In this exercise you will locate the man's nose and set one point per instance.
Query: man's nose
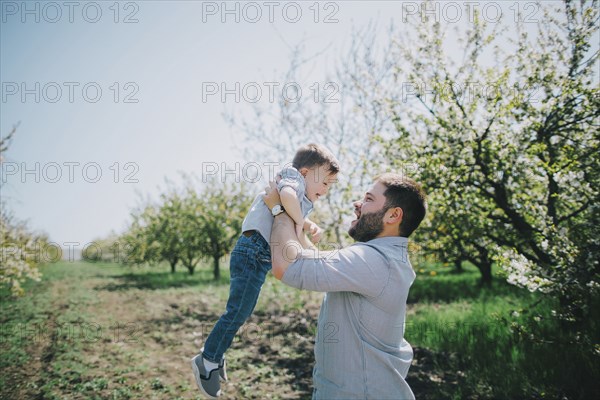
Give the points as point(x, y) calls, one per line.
point(357, 204)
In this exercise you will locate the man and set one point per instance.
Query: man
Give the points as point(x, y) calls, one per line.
point(360, 351)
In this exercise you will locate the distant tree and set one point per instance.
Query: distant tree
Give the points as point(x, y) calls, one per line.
point(21, 254)
point(5, 142)
point(154, 234)
point(106, 249)
point(219, 211)
point(165, 230)
point(134, 243)
point(21, 251)
point(202, 220)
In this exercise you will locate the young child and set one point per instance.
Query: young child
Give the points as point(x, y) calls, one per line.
point(313, 169)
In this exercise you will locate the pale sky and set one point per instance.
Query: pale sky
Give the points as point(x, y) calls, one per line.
point(96, 94)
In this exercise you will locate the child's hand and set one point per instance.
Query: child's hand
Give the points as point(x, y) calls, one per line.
point(315, 232)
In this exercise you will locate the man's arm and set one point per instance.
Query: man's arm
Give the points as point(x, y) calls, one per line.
point(285, 247)
point(331, 271)
point(345, 270)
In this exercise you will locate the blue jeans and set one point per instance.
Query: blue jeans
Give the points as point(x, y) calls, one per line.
point(250, 262)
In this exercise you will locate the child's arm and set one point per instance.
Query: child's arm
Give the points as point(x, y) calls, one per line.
point(291, 204)
point(289, 201)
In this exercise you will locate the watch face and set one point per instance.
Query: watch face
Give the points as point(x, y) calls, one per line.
point(276, 210)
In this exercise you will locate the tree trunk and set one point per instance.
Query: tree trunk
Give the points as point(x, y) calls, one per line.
point(486, 274)
point(458, 266)
point(191, 269)
point(216, 271)
point(484, 264)
point(173, 263)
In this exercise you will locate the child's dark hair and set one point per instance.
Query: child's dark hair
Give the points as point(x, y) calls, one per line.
point(315, 155)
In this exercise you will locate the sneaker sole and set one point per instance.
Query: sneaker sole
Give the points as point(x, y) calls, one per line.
point(223, 377)
point(199, 380)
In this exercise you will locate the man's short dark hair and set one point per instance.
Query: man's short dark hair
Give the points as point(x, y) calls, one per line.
point(407, 194)
point(315, 155)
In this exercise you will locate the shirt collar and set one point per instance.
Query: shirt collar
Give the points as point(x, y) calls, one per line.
point(389, 240)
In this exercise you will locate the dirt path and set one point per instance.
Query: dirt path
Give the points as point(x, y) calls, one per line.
point(150, 335)
point(39, 339)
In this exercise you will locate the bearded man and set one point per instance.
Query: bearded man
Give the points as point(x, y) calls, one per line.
point(360, 350)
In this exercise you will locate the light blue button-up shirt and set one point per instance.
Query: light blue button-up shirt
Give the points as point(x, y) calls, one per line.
point(360, 351)
point(260, 218)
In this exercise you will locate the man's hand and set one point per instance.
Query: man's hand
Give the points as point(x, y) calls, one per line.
point(314, 231)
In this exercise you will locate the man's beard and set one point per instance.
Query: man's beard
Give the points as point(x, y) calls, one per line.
point(369, 225)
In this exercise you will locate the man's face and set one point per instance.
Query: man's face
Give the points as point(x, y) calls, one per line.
point(369, 212)
point(318, 180)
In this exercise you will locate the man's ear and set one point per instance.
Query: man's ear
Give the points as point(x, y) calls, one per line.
point(304, 171)
point(395, 215)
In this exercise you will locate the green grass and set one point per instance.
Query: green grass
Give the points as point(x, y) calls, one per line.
point(33, 322)
point(472, 335)
point(503, 338)
point(158, 277)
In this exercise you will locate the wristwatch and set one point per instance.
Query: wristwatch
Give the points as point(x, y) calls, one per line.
point(277, 209)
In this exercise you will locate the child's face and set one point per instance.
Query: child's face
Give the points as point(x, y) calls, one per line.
point(318, 180)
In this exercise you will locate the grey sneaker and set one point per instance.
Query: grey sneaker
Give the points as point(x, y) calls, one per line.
point(208, 382)
point(222, 367)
